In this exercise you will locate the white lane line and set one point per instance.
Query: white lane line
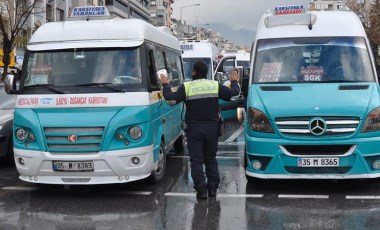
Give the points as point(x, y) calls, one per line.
point(183, 194)
point(362, 197)
point(231, 143)
point(235, 134)
point(142, 193)
point(240, 195)
point(17, 188)
point(191, 194)
point(217, 157)
point(287, 196)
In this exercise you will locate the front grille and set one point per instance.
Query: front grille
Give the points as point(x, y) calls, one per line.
point(335, 126)
point(276, 88)
point(87, 139)
point(353, 87)
point(317, 170)
point(318, 150)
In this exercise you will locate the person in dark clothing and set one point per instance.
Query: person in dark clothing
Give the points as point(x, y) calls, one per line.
point(202, 120)
point(244, 88)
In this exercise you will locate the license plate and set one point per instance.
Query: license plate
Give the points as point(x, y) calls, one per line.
point(73, 166)
point(318, 162)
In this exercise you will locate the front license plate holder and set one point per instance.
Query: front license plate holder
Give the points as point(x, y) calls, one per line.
point(318, 162)
point(73, 166)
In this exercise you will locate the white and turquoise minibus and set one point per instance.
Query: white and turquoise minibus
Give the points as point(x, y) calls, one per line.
point(89, 108)
point(314, 98)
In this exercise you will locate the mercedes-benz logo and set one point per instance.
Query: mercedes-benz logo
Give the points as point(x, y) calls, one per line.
point(317, 126)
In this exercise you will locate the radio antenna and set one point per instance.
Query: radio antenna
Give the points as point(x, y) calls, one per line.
point(310, 24)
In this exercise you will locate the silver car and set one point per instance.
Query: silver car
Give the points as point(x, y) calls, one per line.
point(7, 103)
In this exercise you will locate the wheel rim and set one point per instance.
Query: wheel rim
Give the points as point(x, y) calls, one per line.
point(161, 162)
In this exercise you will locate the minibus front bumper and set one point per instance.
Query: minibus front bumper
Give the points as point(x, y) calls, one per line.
point(269, 159)
point(108, 166)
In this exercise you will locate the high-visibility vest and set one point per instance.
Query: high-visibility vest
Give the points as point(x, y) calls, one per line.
point(201, 88)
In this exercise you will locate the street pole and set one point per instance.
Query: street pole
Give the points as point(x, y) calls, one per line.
point(181, 15)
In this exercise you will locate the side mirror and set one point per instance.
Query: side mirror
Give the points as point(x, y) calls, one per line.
point(10, 84)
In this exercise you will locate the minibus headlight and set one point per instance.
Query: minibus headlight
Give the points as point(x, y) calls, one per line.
point(135, 132)
point(372, 122)
point(259, 122)
point(21, 134)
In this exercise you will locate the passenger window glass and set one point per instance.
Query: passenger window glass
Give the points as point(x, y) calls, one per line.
point(312, 60)
point(175, 82)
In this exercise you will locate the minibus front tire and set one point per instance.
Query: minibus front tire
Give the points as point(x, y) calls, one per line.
point(179, 144)
point(159, 172)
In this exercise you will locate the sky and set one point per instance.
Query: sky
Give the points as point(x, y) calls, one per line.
point(239, 14)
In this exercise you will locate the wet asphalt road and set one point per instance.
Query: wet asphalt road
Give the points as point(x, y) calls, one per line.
point(275, 204)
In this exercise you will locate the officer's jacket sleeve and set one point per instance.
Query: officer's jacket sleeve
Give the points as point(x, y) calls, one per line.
point(177, 96)
point(225, 93)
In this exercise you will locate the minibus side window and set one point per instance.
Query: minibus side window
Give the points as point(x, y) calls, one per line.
point(168, 66)
point(175, 76)
point(159, 60)
point(179, 68)
point(152, 72)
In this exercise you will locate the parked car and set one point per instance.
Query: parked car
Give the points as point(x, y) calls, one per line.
point(7, 103)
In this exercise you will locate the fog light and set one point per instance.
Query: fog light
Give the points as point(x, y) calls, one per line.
point(126, 177)
point(126, 142)
point(21, 161)
point(120, 178)
point(30, 178)
point(31, 137)
point(376, 164)
point(120, 136)
point(135, 160)
point(256, 165)
point(35, 178)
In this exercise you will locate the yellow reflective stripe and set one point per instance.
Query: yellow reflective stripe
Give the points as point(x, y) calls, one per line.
point(201, 89)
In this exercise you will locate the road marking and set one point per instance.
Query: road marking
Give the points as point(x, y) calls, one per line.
point(231, 143)
point(240, 195)
point(191, 194)
point(224, 195)
point(303, 196)
point(17, 188)
point(217, 157)
point(362, 197)
point(142, 193)
point(235, 134)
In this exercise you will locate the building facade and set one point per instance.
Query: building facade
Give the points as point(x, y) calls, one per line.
point(161, 12)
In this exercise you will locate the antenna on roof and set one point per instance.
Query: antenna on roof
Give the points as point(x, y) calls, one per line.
point(310, 26)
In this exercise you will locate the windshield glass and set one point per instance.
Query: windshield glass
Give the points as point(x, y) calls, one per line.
point(7, 100)
point(188, 66)
point(120, 67)
point(312, 60)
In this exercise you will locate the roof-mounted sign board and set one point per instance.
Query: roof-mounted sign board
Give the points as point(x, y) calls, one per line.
point(83, 11)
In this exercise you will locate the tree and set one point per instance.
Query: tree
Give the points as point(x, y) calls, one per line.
point(369, 14)
point(13, 16)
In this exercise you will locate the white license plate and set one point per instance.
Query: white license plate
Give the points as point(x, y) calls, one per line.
point(318, 162)
point(73, 166)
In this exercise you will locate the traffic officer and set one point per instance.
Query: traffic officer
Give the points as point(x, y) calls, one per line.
point(202, 120)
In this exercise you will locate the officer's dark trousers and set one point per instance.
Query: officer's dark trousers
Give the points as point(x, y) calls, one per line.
point(202, 143)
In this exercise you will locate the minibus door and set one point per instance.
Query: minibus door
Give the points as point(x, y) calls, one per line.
point(222, 75)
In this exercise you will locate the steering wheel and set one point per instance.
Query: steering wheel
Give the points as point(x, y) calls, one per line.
point(339, 74)
point(125, 79)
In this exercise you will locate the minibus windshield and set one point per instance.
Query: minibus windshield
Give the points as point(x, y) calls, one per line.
point(84, 66)
point(188, 67)
point(317, 60)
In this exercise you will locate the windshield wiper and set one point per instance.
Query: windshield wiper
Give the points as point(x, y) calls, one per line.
point(46, 86)
point(107, 85)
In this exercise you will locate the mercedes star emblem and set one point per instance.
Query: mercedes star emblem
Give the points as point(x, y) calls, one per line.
point(317, 126)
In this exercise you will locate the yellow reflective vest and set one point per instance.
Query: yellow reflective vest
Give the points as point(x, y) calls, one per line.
point(201, 88)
